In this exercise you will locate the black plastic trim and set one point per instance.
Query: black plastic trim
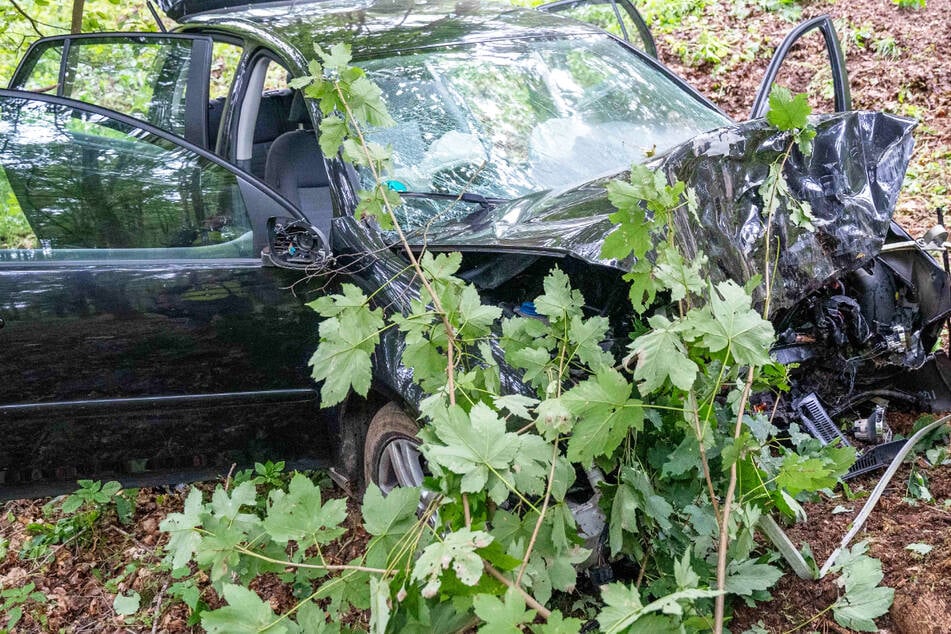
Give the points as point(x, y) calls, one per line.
point(642, 29)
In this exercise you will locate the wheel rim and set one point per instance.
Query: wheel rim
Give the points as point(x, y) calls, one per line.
point(401, 465)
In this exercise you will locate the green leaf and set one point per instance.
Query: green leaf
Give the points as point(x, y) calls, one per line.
point(864, 600)
point(559, 299)
point(635, 493)
point(475, 319)
point(517, 404)
point(802, 473)
point(333, 131)
point(348, 336)
point(729, 322)
point(787, 112)
point(553, 418)
point(921, 549)
point(502, 617)
point(126, 605)
point(558, 624)
point(661, 356)
point(586, 336)
point(457, 549)
point(623, 607)
point(388, 518)
point(379, 605)
point(477, 447)
point(183, 538)
point(245, 613)
point(677, 275)
point(338, 59)
point(748, 577)
point(300, 516)
point(605, 414)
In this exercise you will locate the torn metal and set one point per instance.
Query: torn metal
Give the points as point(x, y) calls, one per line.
point(857, 303)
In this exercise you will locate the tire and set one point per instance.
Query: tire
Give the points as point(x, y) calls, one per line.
point(390, 457)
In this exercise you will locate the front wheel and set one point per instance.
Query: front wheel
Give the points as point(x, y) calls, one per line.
point(391, 455)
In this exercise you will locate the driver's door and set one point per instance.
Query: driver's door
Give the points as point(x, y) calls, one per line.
point(160, 78)
point(619, 17)
point(139, 330)
point(840, 77)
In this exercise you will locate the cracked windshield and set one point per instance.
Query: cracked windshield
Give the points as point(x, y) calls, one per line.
point(507, 118)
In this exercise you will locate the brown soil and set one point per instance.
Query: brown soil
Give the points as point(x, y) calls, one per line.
point(76, 576)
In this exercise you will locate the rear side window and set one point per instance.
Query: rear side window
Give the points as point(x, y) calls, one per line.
point(94, 187)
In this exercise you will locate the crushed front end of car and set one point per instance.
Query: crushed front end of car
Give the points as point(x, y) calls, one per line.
point(857, 304)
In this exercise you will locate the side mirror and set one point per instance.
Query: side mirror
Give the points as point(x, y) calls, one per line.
point(294, 243)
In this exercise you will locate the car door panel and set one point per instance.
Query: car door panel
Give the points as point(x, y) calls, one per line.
point(142, 332)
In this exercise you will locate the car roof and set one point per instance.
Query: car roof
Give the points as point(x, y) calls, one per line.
point(376, 28)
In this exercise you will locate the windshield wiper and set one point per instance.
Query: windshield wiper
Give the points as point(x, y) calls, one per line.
point(466, 197)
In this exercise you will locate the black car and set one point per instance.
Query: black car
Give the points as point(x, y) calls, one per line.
point(157, 327)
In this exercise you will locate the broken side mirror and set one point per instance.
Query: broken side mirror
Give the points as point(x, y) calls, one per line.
point(293, 243)
point(840, 78)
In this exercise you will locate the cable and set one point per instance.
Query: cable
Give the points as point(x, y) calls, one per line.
point(878, 490)
point(794, 558)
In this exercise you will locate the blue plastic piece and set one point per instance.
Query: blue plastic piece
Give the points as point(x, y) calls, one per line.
point(528, 308)
point(396, 186)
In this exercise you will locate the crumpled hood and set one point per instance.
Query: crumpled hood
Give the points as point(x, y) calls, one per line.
point(851, 180)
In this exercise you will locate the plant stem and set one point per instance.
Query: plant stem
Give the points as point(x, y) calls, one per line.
point(703, 456)
point(720, 602)
point(327, 567)
point(529, 599)
point(541, 516)
point(437, 304)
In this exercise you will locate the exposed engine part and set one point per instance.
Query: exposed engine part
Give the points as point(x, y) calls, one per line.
point(873, 429)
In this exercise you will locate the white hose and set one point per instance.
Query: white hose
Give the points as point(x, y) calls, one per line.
point(878, 490)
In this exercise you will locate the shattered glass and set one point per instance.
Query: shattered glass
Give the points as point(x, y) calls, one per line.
point(508, 118)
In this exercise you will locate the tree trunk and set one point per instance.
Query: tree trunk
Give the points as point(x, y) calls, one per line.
point(77, 24)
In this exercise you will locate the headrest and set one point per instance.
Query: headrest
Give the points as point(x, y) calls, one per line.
point(272, 115)
point(299, 114)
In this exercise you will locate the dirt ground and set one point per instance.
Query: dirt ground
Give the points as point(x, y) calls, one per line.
point(898, 60)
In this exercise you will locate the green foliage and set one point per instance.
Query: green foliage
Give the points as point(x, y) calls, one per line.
point(864, 600)
point(78, 516)
point(910, 4)
point(14, 600)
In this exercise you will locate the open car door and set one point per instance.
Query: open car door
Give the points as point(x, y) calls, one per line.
point(840, 78)
point(160, 78)
point(619, 17)
point(140, 331)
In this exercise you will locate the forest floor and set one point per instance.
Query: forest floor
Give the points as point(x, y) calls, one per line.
point(899, 60)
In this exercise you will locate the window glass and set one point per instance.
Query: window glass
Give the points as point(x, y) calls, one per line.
point(94, 187)
point(15, 232)
point(141, 76)
point(602, 15)
point(44, 77)
point(508, 118)
point(145, 79)
point(275, 78)
point(224, 63)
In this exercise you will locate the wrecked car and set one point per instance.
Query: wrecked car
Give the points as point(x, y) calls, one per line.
point(157, 330)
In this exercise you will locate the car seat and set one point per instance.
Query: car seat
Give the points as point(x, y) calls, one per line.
point(295, 168)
